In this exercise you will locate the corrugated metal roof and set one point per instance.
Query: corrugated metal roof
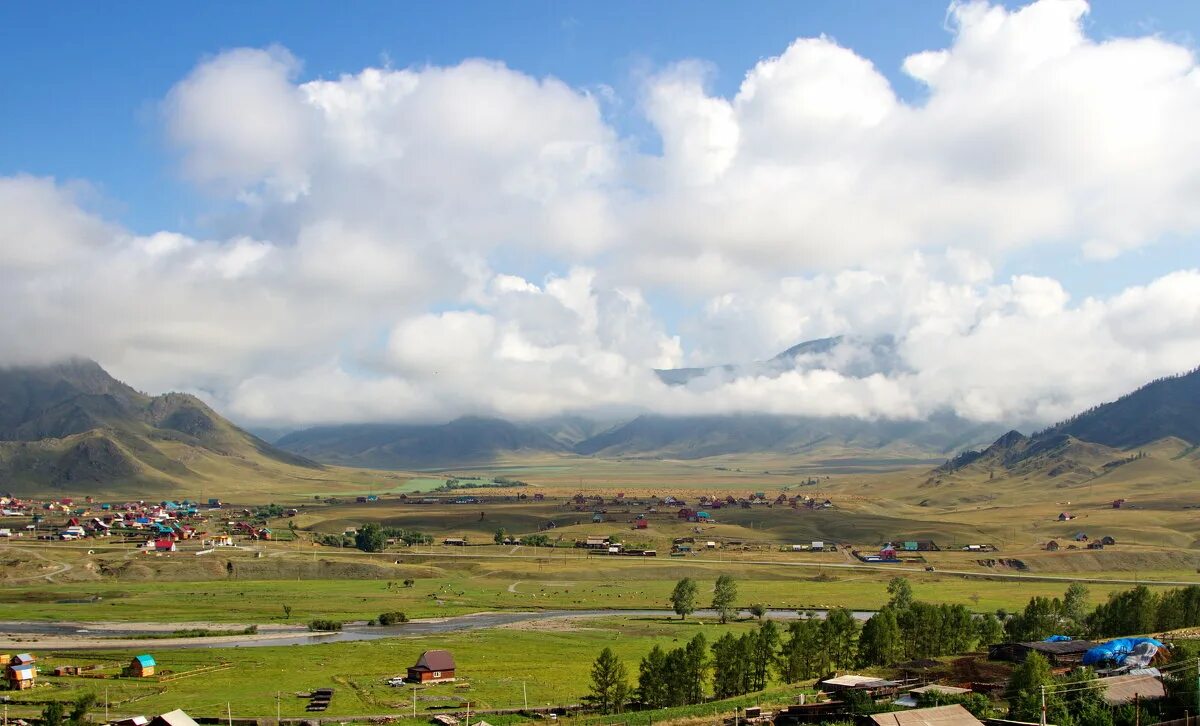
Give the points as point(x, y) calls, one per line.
point(939, 716)
point(174, 718)
point(145, 660)
point(1127, 688)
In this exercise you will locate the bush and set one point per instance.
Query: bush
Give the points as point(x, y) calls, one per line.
point(393, 618)
point(325, 626)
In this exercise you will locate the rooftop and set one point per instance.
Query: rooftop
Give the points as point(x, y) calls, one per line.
point(939, 716)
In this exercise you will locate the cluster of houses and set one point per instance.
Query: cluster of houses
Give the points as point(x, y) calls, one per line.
point(1081, 540)
point(604, 545)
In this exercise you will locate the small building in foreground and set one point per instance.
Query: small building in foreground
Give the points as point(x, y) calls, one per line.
point(1060, 653)
point(21, 677)
point(142, 666)
point(1144, 684)
point(173, 718)
point(434, 666)
point(954, 715)
point(874, 687)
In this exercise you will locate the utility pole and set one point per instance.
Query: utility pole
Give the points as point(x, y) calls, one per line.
point(1043, 721)
point(105, 707)
point(277, 708)
point(414, 701)
point(228, 714)
point(525, 695)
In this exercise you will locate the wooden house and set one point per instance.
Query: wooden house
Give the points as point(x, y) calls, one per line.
point(434, 666)
point(20, 671)
point(142, 666)
point(21, 677)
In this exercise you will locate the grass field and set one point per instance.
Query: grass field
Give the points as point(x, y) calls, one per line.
point(496, 669)
point(175, 590)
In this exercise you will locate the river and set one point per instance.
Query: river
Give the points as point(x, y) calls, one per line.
point(124, 637)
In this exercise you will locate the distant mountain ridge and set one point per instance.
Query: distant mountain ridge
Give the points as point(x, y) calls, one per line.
point(473, 439)
point(1162, 409)
point(72, 424)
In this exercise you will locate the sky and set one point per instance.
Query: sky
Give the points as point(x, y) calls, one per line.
point(308, 213)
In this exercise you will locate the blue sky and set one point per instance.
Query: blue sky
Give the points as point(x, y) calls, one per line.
point(82, 80)
point(82, 90)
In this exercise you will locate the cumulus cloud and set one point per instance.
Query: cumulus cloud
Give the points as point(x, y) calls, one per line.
point(426, 242)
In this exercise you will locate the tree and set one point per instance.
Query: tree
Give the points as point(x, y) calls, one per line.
point(610, 688)
point(989, 629)
point(880, 643)
point(839, 633)
point(1026, 685)
point(652, 682)
point(683, 598)
point(1125, 613)
point(409, 582)
point(370, 538)
point(801, 655)
point(901, 592)
point(1075, 605)
point(52, 714)
point(724, 594)
point(728, 666)
point(763, 649)
point(55, 713)
point(287, 611)
point(1042, 617)
point(498, 537)
point(696, 665)
point(758, 610)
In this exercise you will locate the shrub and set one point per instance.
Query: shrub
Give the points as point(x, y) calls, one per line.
point(325, 626)
point(393, 618)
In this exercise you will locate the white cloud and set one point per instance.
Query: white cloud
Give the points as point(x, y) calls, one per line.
point(370, 268)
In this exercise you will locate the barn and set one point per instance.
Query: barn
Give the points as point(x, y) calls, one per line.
point(434, 666)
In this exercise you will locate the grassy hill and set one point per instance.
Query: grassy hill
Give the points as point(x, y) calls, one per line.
point(71, 426)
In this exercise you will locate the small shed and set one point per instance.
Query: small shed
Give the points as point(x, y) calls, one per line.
point(434, 666)
point(142, 666)
point(1059, 653)
point(21, 677)
point(874, 687)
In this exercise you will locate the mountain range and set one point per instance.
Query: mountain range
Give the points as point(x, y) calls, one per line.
point(1099, 438)
point(71, 425)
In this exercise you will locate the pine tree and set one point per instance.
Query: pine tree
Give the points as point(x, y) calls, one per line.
point(839, 634)
point(610, 688)
point(880, 643)
point(802, 651)
point(652, 686)
point(765, 647)
point(696, 669)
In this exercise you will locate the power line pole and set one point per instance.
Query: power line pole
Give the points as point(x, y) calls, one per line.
point(105, 706)
point(1043, 721)
point(228, 714)
point(277, 708)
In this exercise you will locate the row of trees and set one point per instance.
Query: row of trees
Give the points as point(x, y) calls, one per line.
point(683, 597)
point(1137, 610)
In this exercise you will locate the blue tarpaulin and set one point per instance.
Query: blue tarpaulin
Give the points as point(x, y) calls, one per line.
point(1114, 651)
point(1057, 639)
